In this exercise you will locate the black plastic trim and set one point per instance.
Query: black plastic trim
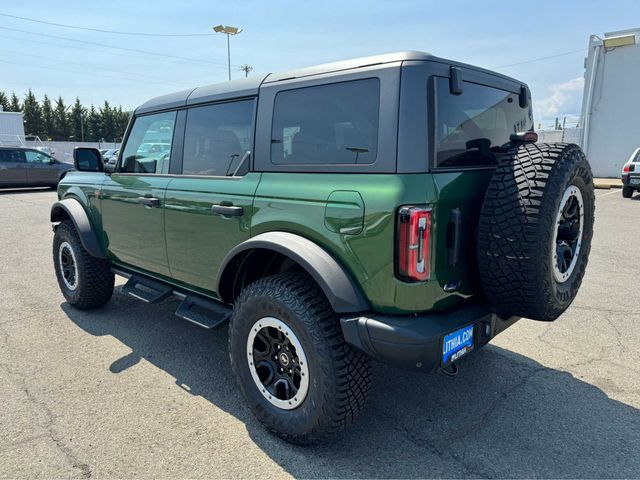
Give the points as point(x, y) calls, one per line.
point(414, 342)
point(343, 293)
point(74, 209)
point(455, 81)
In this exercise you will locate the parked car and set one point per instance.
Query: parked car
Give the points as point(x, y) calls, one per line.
point(631, 175)
point(110, 164)
point(29, 167)
point(331, 215)
point(149, 149)
point(110, 155)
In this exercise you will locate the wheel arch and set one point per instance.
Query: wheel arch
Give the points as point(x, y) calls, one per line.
point(273, 250)
point(72, 209)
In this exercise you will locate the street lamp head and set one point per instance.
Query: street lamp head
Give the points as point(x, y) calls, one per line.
point(228, 29)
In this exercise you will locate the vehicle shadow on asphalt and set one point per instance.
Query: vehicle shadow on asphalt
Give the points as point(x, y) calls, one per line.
point(504, 415)
point(17, 191)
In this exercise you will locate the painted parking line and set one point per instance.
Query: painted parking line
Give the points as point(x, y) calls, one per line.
point(618, 191)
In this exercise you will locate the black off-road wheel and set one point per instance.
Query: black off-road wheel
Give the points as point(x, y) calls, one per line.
point(627, 192)
point(299, 377)
point(85, 281)
point(535, 230)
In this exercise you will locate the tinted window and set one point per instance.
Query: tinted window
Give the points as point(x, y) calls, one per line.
point(328, 124)
point(148, 147)
point(217, 139)
point(472, 127)
point(7, 156)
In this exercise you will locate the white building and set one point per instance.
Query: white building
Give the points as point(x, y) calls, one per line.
point(11, 124)
point(611, 101)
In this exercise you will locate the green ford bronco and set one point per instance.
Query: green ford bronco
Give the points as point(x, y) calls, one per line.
point(393, 207)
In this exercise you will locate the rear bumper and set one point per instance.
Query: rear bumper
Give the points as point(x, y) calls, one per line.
point(626, 180)
point(416, 342)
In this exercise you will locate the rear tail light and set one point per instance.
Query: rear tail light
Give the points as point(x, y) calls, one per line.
point(414, 244)
point(626, 168)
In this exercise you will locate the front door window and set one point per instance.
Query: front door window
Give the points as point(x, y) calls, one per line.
point(148, 148)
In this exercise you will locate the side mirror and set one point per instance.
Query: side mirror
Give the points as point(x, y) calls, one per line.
point(109, 167)
point(87, 159)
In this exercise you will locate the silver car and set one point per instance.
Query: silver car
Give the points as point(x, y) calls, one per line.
point(28, 167)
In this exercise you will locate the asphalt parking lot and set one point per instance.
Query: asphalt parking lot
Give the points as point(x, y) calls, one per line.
point(130, 390)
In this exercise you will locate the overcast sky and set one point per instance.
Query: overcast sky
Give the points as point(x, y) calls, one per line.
point(278, 35)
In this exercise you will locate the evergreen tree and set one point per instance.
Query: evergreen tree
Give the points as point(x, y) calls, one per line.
point(33, 124)
point(51, 120)
point(93, 126)
point(14, 104)
point(108, 123)
point(47, 118)
point(77, 120)
point(121, 122)
point(61, 121)
point(4, 101)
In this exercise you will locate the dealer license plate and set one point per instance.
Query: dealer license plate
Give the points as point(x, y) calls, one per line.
point(634, 181)
point(457, 344)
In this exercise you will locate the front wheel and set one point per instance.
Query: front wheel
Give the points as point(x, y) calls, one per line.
point(300, 378)
point(85, 281)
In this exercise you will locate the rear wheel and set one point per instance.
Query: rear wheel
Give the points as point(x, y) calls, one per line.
point(627, 192)
point(535, 230)
point(300, 378)
point(85, 281)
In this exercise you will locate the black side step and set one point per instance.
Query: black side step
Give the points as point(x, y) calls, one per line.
point(204, 313)
point(147, 290)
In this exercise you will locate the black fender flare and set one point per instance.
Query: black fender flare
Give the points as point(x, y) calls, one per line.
point(341, 290)
point(78, 215)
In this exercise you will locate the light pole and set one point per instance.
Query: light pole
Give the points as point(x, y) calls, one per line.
point(227, 30)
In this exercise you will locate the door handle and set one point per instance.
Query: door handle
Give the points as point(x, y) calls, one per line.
point(228, 210)
point(149, 201)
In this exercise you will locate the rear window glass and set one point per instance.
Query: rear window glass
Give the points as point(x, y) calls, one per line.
point(472, 127)
point(8, 156)
point(327, 125)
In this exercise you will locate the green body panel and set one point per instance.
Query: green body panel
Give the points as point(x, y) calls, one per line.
point(134, 233)
point(352, 216)
point(464, 191)
point(299, 203)
point(85, 187)
point(197, 239)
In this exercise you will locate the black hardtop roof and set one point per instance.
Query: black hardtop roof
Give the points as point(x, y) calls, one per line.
point(247, 87)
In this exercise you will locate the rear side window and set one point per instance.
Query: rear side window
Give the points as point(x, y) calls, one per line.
point(10, 156)
point(148, 147)
point(335, 124)
point(472, 127)
point(217, 139)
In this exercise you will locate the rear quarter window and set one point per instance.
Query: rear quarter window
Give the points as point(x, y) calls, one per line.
point(471, 128)
point(333, 124)
point(10, 156)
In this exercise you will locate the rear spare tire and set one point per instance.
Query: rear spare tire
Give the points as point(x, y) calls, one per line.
point(535, 230)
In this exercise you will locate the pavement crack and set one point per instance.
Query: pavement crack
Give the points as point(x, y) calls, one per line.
point(423, 443)
point(20, 381)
